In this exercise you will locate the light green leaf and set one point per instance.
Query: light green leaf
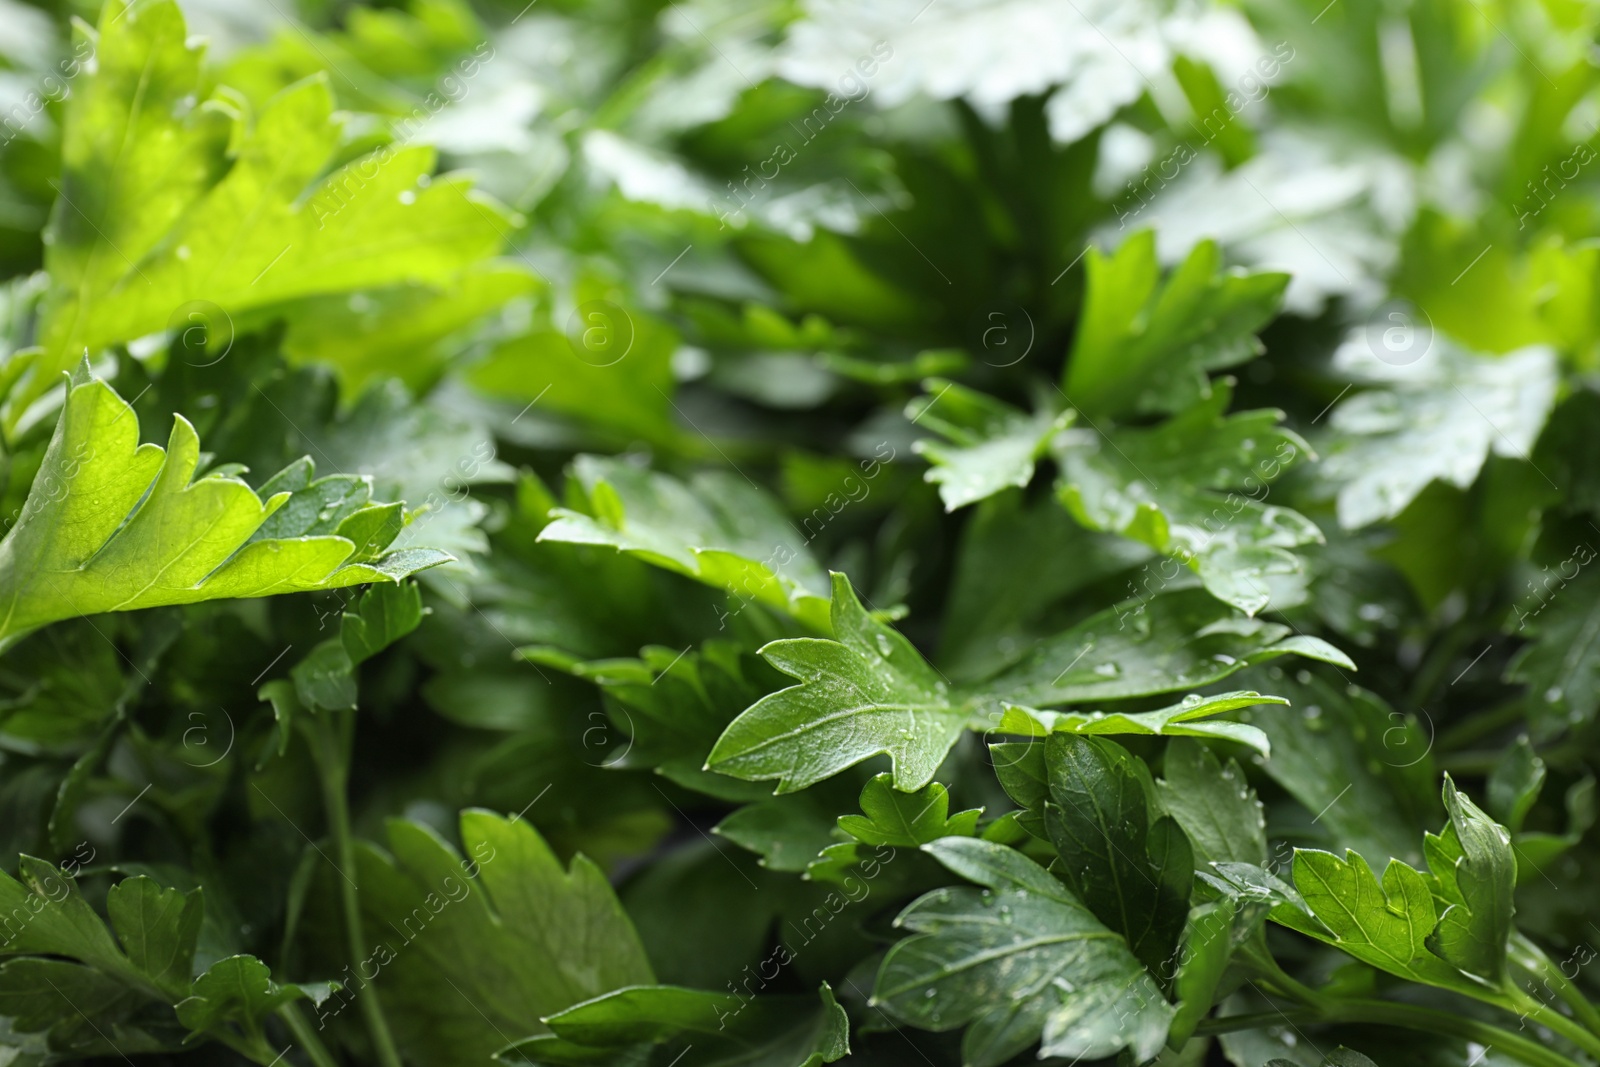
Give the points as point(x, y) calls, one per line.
point(716, 528)
point(1477, 874)
point(405, 331)
point(469, 949)
point(113, 525)
point(907, 819)
point(991, 446)
point(1184, 719)
point(726, 1030)
point(153, 217)
point(1214, 804)
point(1386, 926)
point(1193, 487)
point(1141, 348)
point(867, 693)
point(1437, 418)
point(1018, 963)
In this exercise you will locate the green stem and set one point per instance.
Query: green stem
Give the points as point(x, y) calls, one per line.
point(332, 752)
point(307, 1037)
point(1407, 1016)
point(1531, 958)
point(1554, 1021)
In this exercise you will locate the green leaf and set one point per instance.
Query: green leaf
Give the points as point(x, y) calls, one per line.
point(1018, 963)
point(1183, 719)
point(1214, 804)
point(47, 915)
point(1171, 642)
point(1477, 875)
point(991, 446)
point(1143, 347)
point(1438, 418)
point(717, 529)
point(1387, 926)
point(726, 1029)
point(867, 693)
point(405, 331)
point(1207, 947)
point(466, 950)
point(154, 217)
point(669, 706)
point(1193, 488)
point(1131, 866)
point(1515, 783)
point(113, 525)
point(157, 928)
point(1018, 558)
point(907, 819)
point(79, 1007)
point(1362, 771)
point(788, 832)
point(240, 991)
point(1561, 666)
point(326, 677)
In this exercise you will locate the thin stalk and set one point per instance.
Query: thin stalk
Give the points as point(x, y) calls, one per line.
point(332, 756)
point(1407, 1016)
point(1554, 1021)
point(301, 1029)
point(1532, 959)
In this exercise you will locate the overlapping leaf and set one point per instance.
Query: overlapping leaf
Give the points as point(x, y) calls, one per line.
point(990, 445)
point(113, 525)
point(1020, 962)
point(1143, 349)
point(868, 692)
point(717, 529)
point(153, 215)
point(1194, 487)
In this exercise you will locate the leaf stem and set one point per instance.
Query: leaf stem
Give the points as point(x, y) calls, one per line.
point(1553, 1020)
point(332, 730)
point(1532, 959)
point(301, 1029)
point(1407, 1016)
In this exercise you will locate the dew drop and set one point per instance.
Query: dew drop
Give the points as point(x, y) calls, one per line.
point(884, 647)
point(1108, 670)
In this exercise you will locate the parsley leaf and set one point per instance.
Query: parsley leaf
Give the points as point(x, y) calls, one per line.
point(1193, 487)
point(1141, 349)
point(865, 693)
point(113, 525)
point(1017, 963)
point(991, 446)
